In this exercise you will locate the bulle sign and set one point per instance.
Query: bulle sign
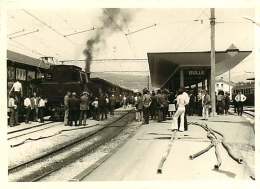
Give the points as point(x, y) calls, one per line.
point(196, 72)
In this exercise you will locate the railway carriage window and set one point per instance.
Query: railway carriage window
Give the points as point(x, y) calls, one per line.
point(31, 75)
point(10, 73)
point(39, 75)
point(20, 74)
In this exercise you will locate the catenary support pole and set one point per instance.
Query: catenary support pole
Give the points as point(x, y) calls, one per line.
point(212, 60)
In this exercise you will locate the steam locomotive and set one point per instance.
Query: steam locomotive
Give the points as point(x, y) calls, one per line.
point(62, 78)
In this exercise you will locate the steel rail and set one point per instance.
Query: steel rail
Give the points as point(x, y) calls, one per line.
point(87, 171)
point(18, 130)
point(16, 136)
point(68, 146)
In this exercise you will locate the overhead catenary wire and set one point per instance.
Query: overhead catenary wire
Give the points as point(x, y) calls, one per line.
point(14, 33)
point(24, 34)
point(79, 32)
point(141, 29)
point(47, 25)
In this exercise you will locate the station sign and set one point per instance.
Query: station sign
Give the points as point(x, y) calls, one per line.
point(196, 72)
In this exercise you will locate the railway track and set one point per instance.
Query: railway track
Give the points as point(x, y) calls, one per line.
point(250, 113)
point(28, 128)
point(45, 164)
point(34, 129)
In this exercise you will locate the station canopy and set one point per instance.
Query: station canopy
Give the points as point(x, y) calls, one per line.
point(165, 65)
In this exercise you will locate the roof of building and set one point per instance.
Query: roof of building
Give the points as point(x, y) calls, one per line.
point(23, 59)
point(162, 65)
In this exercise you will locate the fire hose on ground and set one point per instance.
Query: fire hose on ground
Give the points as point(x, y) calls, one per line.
point(211, 135)
point(167, 152)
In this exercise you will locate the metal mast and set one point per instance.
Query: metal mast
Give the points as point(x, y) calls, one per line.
point(212, 60)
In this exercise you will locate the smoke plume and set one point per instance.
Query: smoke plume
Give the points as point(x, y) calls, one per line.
point(112, 20)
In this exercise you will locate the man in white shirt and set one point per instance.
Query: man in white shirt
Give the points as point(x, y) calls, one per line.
point(240, 99)
point(12, 109)
point(41, 108)
point(27, 105)
point(17, 88)
point(34, 107)
point(186, 101)
point(179, 114)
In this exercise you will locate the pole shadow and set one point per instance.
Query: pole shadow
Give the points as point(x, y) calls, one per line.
point(227, 173)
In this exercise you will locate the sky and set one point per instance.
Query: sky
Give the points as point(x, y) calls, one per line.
point(167, 30)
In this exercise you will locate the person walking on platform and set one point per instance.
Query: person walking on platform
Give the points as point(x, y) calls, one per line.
point(165, 104)
point(240, 99)
point(146, 104)
point(34, 107)
point(12, 109)
point(187, 100)
point(66, 108)
point(153, 106)
point(17, 90)
point(41, 108)
point(74, 105)
point(181, 102)
point(124, 102)
point(112, 101)
point(27, 106)
point(102, 106)
point(199, 103)
point(205, 105)
point(95, 105)
point(234, 102)
point(192, 104)
point(84, 108)
point(172, 108)
point(227, 103)
point(139, 107)
point(220, 102)
point(160, 105)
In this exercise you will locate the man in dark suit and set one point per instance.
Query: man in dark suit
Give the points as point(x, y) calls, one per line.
point(84, 108)
point(74, 105)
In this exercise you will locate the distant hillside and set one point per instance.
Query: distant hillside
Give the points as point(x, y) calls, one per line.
point(125, 80)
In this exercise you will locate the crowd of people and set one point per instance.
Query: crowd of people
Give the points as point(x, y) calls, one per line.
point(154, 105)
point(79, 109)
point(33, 108)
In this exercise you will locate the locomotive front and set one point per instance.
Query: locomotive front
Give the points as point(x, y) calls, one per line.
point(60, 79)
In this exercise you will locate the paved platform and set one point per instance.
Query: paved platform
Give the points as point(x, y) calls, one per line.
point(139, 158)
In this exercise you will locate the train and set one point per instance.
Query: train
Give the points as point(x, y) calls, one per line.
point(63, 78)
point(248, 89)
point(53, 81)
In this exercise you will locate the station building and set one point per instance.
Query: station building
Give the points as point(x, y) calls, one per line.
point(173, 70)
